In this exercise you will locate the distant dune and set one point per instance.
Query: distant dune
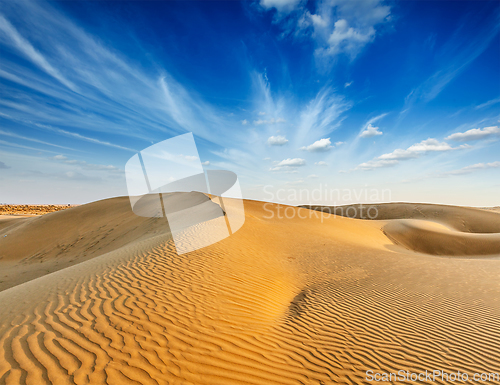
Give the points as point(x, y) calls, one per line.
point(431, 229)
point(97, 295)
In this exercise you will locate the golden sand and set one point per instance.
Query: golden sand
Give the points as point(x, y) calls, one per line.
point(309, 300)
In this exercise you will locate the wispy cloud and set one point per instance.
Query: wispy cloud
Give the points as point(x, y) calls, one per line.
point(488, 103)
point(115, 97)
point(472, 168)
point(88, 139)
point(30, 52)
point(414, 151)
point(11, 144)
point(321, 116)
point(13, 135)
point(85, 165)
point(460, 51)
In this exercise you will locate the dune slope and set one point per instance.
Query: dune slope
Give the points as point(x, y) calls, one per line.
point(302, 300)
point(34, 246)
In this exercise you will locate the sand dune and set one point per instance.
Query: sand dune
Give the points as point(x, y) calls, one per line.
point(433, 238)
point(302, 300)
point(34, 246)
point(431, 229)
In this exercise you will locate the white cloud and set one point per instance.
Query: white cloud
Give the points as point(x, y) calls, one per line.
point(262, 113)
point(377, 163)
point(475, 134)
point(289, 165)
point(339, 143)
point(336, 26)
point(277, 140)
point(432, 145)
point(270, 121)
point(345, 38)
point(206, 163)
point(348, 84)
point(59, 157)
point(189, 158)
point(321, 163)
point(313, 176)
point(414, 151)
point(370, 131)
point(244, 122)
point(295, 162)
point(280, 5)
point(319, 145)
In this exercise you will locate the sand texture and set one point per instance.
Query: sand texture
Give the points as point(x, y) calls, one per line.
point(297, 300)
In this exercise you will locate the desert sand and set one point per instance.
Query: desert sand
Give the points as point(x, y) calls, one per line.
point(97, 295)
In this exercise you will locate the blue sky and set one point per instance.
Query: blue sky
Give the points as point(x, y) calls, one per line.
point(359, 97)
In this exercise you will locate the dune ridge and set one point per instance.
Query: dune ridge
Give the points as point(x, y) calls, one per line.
point(282, 301)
